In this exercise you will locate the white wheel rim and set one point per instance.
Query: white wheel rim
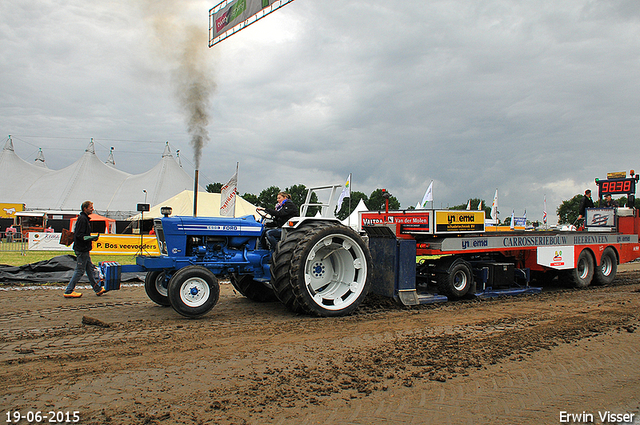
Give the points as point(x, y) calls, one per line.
point(194, 292)
point(583, 269)
point(160, 285)
point(459, 280)
point(335, 272)
point(607, 266)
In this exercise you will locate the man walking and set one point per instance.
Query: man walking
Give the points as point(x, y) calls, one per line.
point(82, 240)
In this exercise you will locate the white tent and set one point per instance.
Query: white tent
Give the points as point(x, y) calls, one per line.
point(114, 193)
point(17, 174)
point(353, 220)
point(208, 206)
point(163, 181)
point(86, 179)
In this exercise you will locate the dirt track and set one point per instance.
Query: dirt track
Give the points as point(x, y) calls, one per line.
point(513, 360)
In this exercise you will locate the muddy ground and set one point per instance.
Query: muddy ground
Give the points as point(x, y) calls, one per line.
point(120, 359)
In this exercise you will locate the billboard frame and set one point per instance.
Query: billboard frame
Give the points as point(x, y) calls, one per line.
point(242, 25)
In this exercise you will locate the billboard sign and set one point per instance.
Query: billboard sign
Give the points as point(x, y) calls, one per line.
point(451, 221)
point(231, 16)
point(9, 210)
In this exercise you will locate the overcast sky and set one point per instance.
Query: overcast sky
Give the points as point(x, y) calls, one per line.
point(533, 98)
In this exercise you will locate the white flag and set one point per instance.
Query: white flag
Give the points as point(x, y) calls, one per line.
point(494, 207)
point(513, 219)
point(544, 212)
point(480, 206)
point(469, 205)
point(346, 191)
point(228, 196)
point(428, 195)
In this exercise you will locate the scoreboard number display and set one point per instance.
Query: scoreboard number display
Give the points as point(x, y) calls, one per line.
point(617, 187)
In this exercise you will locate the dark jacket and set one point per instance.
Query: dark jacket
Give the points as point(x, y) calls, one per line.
point(281, 216)
point(585, 203)
point(83, 228)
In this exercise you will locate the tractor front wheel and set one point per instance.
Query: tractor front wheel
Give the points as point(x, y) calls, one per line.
point(193, 291)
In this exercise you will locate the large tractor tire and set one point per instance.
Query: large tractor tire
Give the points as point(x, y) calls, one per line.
point(454, 279)
point(606, 271)
point(582, 275)
point(252, 289)
point(155, 285)
point(322, 269)
point(193, 291)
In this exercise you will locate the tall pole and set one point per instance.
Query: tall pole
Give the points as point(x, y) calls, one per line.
point(195, 195)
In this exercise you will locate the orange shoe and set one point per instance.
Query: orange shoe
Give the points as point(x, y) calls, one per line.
point(74, 294)
point(100, 292)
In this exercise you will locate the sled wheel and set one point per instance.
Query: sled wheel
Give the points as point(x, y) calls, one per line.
point(252, 289)
point(606, 272)
point(581, 276)
point(329, 273)
point(155, 285)
point(456, 281)
point(193, 291)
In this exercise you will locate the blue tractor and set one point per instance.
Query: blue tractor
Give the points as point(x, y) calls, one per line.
point(319, 267)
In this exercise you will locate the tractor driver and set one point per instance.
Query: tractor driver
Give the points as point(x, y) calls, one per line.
point(284, 210)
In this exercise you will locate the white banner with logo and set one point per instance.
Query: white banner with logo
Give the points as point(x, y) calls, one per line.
point(46, 242)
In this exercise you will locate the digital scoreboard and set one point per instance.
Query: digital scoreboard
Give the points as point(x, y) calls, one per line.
point(618, 187)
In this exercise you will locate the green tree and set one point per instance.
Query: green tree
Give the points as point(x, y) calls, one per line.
point(251, 198)
point(345, 211)
point(298, 194)
point(568, 210)
point(377, 201)
point(214, 187)
point(267, 198)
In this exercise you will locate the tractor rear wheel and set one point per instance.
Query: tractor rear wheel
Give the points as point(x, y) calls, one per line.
point(252, 289)
point(328, 270)
point(193, 291)
point(155, 285)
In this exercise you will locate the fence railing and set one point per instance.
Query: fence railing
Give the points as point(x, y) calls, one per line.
point(13, 242)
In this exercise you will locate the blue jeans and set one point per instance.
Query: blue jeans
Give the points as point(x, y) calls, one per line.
point(84, 265)
point(274, 235)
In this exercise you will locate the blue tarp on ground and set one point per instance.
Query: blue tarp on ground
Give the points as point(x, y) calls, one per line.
point(56, 270)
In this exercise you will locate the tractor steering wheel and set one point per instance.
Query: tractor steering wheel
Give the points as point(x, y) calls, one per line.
point(265, 215)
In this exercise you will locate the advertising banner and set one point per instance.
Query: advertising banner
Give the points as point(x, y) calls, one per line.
point(405, 222)
point(125, 245)
point(600, 218)
point(459, 221)
point(106, 244)
point(234, 13)
point(46, 242)
point(9, 210)
point(556, 257)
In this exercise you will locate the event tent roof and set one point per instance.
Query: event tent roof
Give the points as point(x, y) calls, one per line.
point(114, 193)
point(86, 179)
point(15, 172)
